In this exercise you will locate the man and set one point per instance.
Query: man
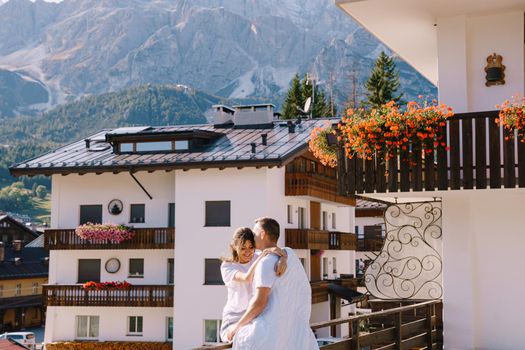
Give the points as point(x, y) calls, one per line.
point(279, 312)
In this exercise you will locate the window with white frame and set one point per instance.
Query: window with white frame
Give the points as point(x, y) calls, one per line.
point(334, 223)
point(325, 268)
point(135, 325)
point(302, 218)
point(35, 288)
point(18, 290)
point(212, 330)
point(136, 268)
point(325, 220)
point(290, 214)
point(169, 328)
point(334, 265)
point(87, 327)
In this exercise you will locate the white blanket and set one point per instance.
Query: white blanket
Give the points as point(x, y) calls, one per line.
point(285, 322)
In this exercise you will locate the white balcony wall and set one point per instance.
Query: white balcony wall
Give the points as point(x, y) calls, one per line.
point(71, 191)
point(63, 265)
point(113, 323)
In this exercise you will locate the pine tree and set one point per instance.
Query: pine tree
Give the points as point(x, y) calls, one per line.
point(383, 82)
point(296, 97)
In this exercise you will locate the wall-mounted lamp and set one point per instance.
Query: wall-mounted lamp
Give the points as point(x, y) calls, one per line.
point(495, 70)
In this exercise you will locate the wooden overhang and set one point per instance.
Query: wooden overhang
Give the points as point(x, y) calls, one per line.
point(228, 148)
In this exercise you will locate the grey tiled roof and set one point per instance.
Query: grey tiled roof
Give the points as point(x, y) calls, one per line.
point(32, 263)
point(233, 148)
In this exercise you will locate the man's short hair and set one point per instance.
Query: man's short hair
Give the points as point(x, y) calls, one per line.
point(270, 226)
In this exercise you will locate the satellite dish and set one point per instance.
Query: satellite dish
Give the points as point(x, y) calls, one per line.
point(307, 105)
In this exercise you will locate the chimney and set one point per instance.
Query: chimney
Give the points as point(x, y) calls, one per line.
point(264, 139)
point(2, 252)
point(253, 147)
point(223, 115)
point(17, 245)
point(87, 141)
point(257, 116)
point(291, 127)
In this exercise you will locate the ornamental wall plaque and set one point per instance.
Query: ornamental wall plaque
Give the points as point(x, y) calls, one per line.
point(112, 265)
point(495, 70)
point(115, 206)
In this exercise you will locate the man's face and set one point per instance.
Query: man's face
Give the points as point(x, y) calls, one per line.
point(257, 232)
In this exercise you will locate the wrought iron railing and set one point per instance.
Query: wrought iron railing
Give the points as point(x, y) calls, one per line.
point(137, 295)
point(479, 156)
point(144, 238)
point(319, 239)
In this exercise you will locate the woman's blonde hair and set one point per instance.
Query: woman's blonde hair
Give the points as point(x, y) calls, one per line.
point(240, 236)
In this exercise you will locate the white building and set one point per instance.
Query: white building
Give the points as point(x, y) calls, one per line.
point(481, 179)
point(205, 180)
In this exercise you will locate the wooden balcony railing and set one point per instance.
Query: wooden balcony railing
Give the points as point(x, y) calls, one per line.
point(319, 239)
point(369, 244)
point(474, 160)
point(145, 238)
point(137, 295)
point(417, 326)
point(314, 185)
point(319, 291)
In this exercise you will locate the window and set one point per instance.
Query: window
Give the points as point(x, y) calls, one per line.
point(171, 271)
point(135, 325)
point(169, 328)
point(87, 327)
point(171, 214)
point(356, 230)
point(1, 291)
point(334, 224)
point(290, 214)
point(35, 288)
point(136, 213)
point(91, 213)
point(18, 290)
point(218, 213)
point(212, 330)
point(182, 145)
point(88, 270)
point(212, 271)
point(126, 147)
point(136, 268)
point(153, 146)
point(302, 218)
point(325, 220)
point(325, 268)
point(334, 265)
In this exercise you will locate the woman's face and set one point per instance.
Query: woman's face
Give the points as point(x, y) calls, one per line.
point(246, 252)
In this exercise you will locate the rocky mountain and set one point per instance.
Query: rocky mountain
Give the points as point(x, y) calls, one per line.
point(230, 48)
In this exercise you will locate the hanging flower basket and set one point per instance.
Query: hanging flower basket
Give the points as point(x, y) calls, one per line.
point(388, 128)
point(104, 232)
point(321, 146)
point(91, 285)
point(512, 117)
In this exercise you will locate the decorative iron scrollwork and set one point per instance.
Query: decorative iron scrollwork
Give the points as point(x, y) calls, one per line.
point(409, 266)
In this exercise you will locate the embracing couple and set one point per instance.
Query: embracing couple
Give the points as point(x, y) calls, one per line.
point(269, 295)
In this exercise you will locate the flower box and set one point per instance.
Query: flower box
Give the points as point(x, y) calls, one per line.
point(99, 233)
point(512, 117)
point(91, 285)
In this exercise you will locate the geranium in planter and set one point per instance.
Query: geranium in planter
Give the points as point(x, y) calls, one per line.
point(104, 232)
point(91, 285)
point(320, 147)
point(512, 117)
point(389, 128)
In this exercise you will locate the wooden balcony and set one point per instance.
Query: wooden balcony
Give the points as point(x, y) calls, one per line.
point(319, 291)
point(369, 244)
point(479, 157)
point(319, 239)
point(137, 295)
point(314, 185)
point(145, 238)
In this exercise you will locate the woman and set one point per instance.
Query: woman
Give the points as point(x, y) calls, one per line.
point(237, 274)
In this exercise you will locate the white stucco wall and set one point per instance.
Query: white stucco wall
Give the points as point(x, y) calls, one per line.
point(113, 322)
point(71, 191)
point(464, 42)
point(63, 265)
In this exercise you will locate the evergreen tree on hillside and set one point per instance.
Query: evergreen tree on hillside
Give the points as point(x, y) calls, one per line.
point(297, 95)
point(383, 82)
